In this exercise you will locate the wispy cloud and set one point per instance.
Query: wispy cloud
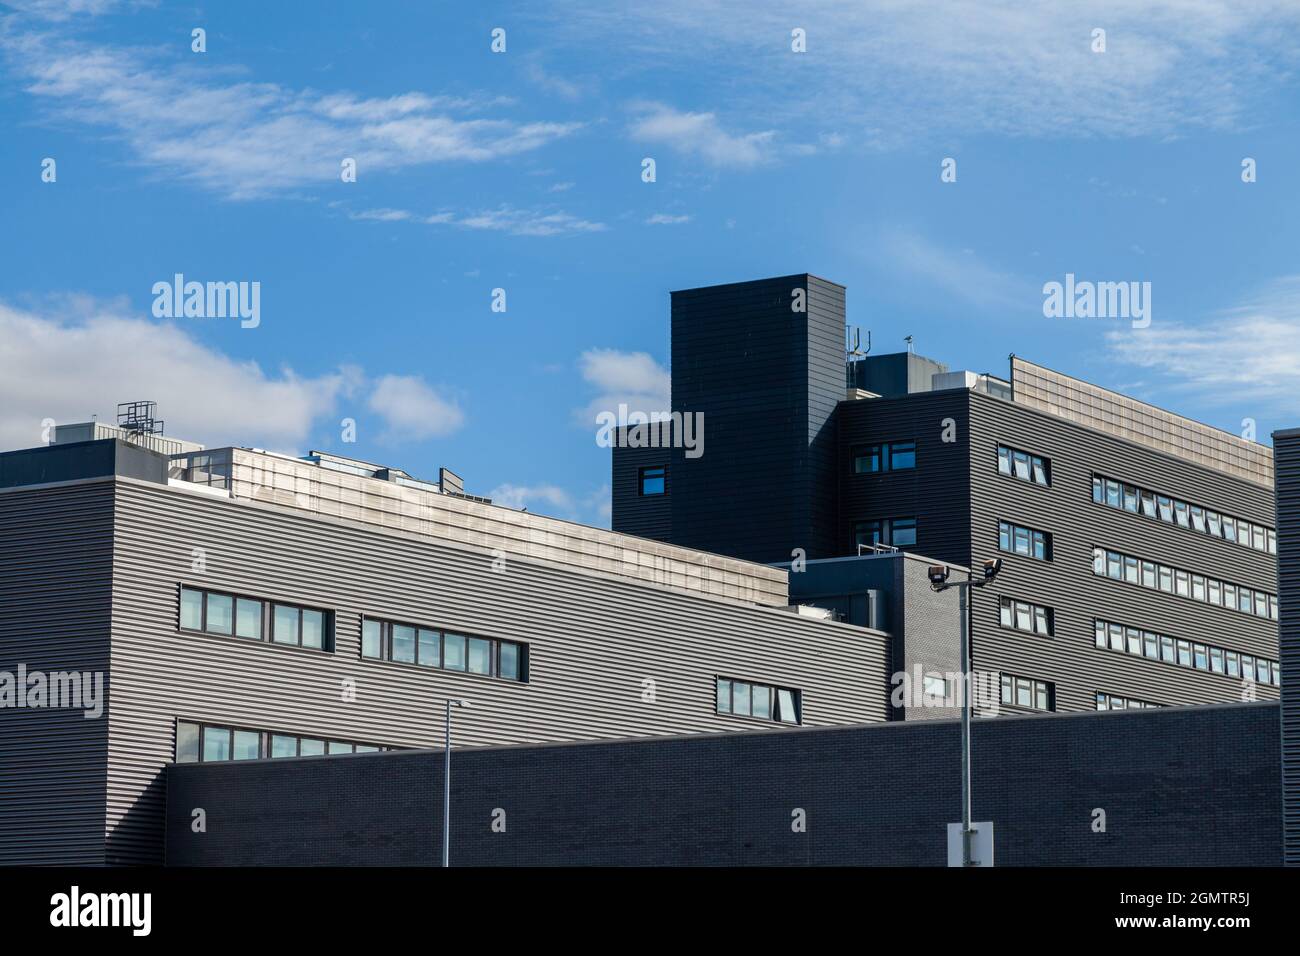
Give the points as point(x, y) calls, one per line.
point(247, 139)
point(897, 70)
point(664, 219)
point(1250, 352)
point(700, 134)
point(507, 219)
point(961, 273)
point(75, 357)
point(590, 508)
point(633, 379)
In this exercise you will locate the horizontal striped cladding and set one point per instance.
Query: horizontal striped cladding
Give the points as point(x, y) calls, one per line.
point(55, 604)
point(826, 380)
point(593, 641)
point(1066, 510)
point(1286, 459)
point(646, 516)
point(746, 360)
point(936, 492)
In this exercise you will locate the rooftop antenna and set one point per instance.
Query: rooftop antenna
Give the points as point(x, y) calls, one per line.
point(853, 350)
point(908, 340)
point(138, 419)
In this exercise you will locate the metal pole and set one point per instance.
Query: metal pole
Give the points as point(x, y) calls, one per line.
point(446, 791)
point(967, 678)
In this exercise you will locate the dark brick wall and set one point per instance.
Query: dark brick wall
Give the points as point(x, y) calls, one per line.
point(1180, 787)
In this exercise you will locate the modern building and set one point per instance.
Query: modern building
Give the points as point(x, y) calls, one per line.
point(239, 605)
point(1286, 448)
point(1139, 546)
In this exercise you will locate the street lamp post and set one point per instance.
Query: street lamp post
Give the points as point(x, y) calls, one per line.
point(939, 582)
point(446, 781)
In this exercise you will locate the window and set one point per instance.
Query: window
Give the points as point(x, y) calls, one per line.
point(1026, 466)
point(1149, 574)
point(208, 743)
point(430, 647)
point(1023, 616)
point(1191, 654)
point(214, 612)
point(653, 480)
point(1184, 514)
point(895, 532)
point(887, 456)
point(747, 699)
point(1026, 541)
point(1026, 692)
point(1115, 702)
point(935, 687)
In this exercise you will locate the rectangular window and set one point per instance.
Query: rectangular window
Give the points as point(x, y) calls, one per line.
point(247, 745)
point(1021, 540)
point(1200, 657)
point(1216, 660)
point(1150, 646)
point(1232, 663)
point(1024, 616)
point(216, 743)
point(867, 459)
point(310, 747)
point(653, 480)
point(187, 742)
point(284, 628)
point(757, 700)
point(1028, 693)
point(430, 647)
point(886, 456)
point(191, 610)
point(894, 532)
point(902, 455)
point(313, 628)
point(248, 619)
point(1130, 499)
point(220, 617)
point(211, 743)
point(214, 612)
point(283, 746)
point(1185, 653)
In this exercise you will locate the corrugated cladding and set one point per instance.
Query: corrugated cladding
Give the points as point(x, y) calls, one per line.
point(1286, 452)
point(594, 643)
point(55, 602)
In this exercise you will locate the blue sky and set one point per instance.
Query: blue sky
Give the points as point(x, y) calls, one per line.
point(521, 170)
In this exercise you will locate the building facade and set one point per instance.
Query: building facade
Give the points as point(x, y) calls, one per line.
point(1138, 547)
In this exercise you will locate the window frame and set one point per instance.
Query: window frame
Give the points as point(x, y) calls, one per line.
point(495, 645)
point(266, 618)
point(641, 481)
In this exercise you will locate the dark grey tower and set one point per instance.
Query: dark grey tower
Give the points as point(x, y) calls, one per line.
point(1286, 464)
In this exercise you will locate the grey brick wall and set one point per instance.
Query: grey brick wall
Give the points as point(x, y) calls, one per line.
point(1180, 787)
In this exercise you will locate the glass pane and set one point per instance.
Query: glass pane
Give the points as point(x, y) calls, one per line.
point(785, 707)
point(404, 643)
point(313, 628)
point(187, 743)
point(1040, 473)
point(285, 625)
point(216, 743)
point(248, 619)
point(902, 455)
point(371, 637)
point(509, 660)
point(1004, 465)
point(1024, 693)
point(282, 746)
point(480, 656)
point(339, 747)
point(724, 696)
point(762, 701)
point(191, 609)
point(904, 532)
point(1004, 536)
point(453, 652)
point(221, 614)
point(247, 745)
point(311, 748)
point(430, 651)
point(740, 698)
point(1005, 613)
point(367, 749)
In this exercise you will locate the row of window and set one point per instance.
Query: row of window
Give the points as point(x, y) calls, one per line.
point(1027, 692)
point(1161, 577)
point(748, 699)
point(1023, 465)
point(1130, 498)
point(208, 743)
point(1021, 540)
point(1023, 616)
point(215, 612)
point(885, 456)
point(1204, 657)
point(896, 532)
point(1115, 702)
point(427, 647)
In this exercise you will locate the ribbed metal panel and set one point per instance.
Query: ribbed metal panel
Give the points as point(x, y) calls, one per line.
point(631, 512)
point(55, 600)
point(1286, 451)
point(593, 641)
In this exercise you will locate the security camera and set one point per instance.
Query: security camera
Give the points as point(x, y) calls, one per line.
point(938, 574)
point(991, 568)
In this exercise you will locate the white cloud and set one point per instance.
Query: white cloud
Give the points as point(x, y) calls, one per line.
point(79, 357)
point(664, 219)
point(623, 378)
point(1251, 352)
point(902, 70)
point(508, 219)
point(699, 134)
point(530, 497)
point(68, 368)
point(246, 139)
point(411, 410)
point(959, 272)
